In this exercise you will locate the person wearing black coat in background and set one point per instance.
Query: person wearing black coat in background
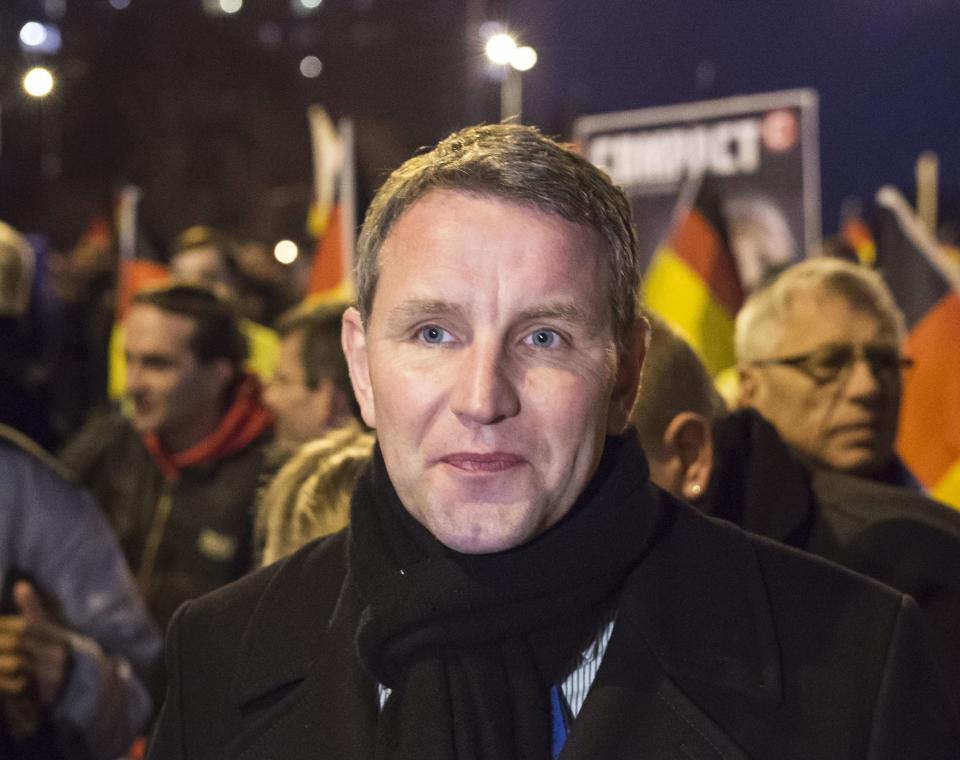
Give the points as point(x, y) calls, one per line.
point(737, 467)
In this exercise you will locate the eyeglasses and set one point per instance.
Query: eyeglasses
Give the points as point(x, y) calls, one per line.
point(827, 363)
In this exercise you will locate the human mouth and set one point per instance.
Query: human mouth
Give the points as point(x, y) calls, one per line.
point(865, 429)
point(495, 461)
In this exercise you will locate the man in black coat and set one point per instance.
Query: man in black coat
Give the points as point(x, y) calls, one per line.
point(737, 467)
point(511, 585)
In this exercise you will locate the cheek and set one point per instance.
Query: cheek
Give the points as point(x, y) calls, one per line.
point(570, 410)
point(406, 396)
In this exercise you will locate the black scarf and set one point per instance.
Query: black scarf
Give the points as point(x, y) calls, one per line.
point(471, 644)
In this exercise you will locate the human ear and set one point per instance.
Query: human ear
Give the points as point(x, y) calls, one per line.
point(353, 338)
point(629, 364)
point(689, 440)
point(748, 385)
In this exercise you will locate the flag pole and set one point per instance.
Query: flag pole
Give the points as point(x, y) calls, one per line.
point(927, 169)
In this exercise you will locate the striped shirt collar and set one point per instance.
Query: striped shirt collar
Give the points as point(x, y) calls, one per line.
point(579, 679)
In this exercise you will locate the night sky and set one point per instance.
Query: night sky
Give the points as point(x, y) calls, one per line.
point(888, 72)
point(210, 121)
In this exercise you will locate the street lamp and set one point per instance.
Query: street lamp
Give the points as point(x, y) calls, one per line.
point(38, 82)
point(502, 49)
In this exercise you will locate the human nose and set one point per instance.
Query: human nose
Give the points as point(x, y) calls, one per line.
point(134, 379)
point(484, 393)
point(270, 393)
point(864, 381)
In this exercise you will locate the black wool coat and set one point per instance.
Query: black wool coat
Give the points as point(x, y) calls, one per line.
point(893, 534)
point(725, 646)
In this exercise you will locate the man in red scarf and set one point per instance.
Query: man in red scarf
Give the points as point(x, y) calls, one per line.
point(177, 475)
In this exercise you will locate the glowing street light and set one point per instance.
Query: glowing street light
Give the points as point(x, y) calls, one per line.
point(33, 34)
point(36, 37)
point(38, 82)
point(502, 49)
point(523, 58)
point(286, 252)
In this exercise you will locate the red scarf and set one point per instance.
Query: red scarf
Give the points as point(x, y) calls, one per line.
point(244, 422)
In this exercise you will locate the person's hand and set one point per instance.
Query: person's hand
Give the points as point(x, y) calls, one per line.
point(34, 649)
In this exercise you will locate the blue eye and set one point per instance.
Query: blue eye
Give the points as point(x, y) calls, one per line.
point(543, 339)
point(432, 334)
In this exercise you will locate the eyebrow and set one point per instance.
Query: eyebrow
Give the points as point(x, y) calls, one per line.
point(417, 308)
point(564, 311)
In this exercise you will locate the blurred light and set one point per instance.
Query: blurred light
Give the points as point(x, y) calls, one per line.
point(270, 35)
point(311, 66)
point(231, 6)
point(33, 34)
point(286, 252)
point(489, 28)
point(304, 7)
point(524, 58)
point(119, 5)
point(500, 48)
point(38, 82)
point(36, 37)
point(55, 9)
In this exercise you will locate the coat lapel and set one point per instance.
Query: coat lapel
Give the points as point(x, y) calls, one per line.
point(300, 687)
point(693, 618)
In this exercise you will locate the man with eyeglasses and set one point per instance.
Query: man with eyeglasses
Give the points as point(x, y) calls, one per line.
point(818, 354)
point(736, 466)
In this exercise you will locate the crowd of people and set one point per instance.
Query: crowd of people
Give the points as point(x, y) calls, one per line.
point(492, 509)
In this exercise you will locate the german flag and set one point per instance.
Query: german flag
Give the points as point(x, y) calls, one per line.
point(692, 281)
point(331, 218)
point(138, 268)
point(926, 285)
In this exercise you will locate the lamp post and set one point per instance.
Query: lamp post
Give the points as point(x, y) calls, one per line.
point(502, 49)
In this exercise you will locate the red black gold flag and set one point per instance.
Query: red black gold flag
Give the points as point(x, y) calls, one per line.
point(926, 284)
point(331, 220)
point(136, 269)
point(692, 281)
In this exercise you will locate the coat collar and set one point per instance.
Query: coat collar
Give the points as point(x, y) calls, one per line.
point(299, 683)
point(292, 623)
point(694, 615)
point(699, 602)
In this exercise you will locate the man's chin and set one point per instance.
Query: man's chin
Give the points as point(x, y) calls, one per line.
point(142, 424)
point(861, 462)
point(484, 534)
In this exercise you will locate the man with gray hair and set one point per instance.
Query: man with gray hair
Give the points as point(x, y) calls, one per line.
point(736, 466)
point(819, 355)
point(511, 585)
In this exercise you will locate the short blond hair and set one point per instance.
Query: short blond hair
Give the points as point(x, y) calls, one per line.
point(310, 495)
point(761, 322)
